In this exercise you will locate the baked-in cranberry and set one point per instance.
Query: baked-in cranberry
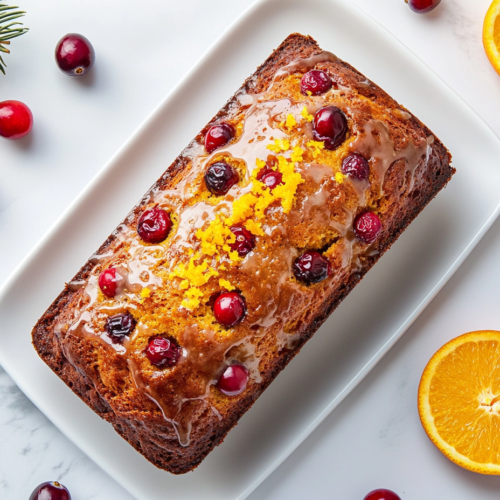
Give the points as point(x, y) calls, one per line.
point(356, 166)
point(422, 6)
point(229, 308)
point(107, 282)
point(51, 490)
point(233, 381)
point(271, 178)
point(163, 352)
point(330, 127)
point(16, 119)
point(367, 226)
point(220, 177)
point(218, 136)
point(245, 241)
point(382, 494)
point(120, 326)
point(262, 172)
point(74, 54)
point(154, 225)
point(315, 81)
point(311, 267)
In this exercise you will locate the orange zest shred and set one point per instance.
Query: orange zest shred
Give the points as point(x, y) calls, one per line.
point(316, 147)
point(306, 115)
point(290, 121)
point(339, 177)
point(226, 284)
point(297, 153)
point(248, 210)
point(279, 145)
point(254, 227)
point(192, 298)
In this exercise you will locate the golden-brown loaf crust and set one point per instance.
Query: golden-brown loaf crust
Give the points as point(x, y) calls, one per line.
point(119, 385)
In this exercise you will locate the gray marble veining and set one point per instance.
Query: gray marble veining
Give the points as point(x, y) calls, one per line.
point(32, 451)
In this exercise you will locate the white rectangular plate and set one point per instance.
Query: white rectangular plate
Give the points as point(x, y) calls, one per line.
point(358, 334)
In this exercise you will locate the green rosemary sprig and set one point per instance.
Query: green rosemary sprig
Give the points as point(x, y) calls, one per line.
point(9, 29)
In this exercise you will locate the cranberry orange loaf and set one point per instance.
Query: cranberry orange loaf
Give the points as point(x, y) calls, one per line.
point(239, 252)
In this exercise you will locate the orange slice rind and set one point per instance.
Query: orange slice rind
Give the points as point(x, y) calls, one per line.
point(491, 34)
point(459, 401)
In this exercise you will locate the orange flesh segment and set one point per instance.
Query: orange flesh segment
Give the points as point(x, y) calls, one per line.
point(459, 401)
point(496, 33)
point(491, 34)
point(462, 390)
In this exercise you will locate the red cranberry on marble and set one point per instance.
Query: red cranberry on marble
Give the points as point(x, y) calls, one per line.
point(229, 308)
point(245, 241)
point(51, 490)
point(382, 494)
point(218, 136)
point(367, 227)
point(107, 282)
point(16, 119)
point(154, 225)
point(163, 352)
point(74, 54)
point(316, 82)
point(233, 381)
point(312, 267)
point(330, 127)
point(422, 6)
point(220, 177)
point(356, 166)
point(120, 326)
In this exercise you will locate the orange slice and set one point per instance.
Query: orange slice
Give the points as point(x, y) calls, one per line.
point(459, 401)
point(491, 34)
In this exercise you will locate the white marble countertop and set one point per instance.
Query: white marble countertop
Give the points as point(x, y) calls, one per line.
point(374, 438)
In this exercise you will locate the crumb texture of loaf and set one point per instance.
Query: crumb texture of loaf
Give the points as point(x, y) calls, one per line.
point(290, 194)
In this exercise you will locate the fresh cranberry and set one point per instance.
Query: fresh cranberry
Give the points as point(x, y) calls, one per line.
point(229, 308)
point(245, 241)
point(220, 178)
point(163, 352)
point(234, 380)
point(107, 282)
point(16, 119)
point(154, 225)
point(50, 491)
point(312, 267)
point(367, 226)
point(315, 81)
point(218, 136)
point(74, 54)
point(330, 127)
point(422, 6)
point(382, 494)
point(356, 166)
point(120, 326)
